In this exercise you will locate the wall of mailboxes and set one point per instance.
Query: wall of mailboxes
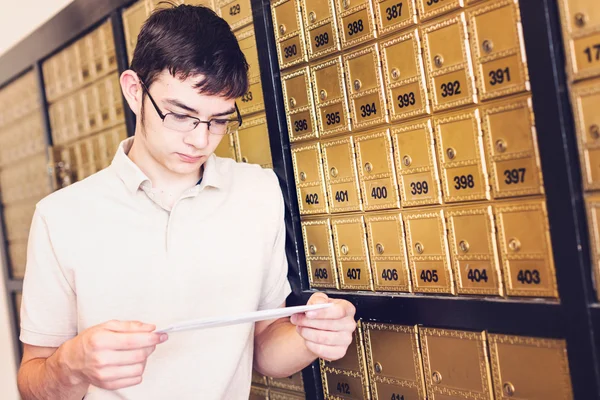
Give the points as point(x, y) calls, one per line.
point(416, 164)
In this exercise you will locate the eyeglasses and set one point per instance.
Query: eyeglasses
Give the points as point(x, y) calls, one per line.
point(187, 123)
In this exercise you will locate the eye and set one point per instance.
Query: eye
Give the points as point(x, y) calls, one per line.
point(180, 117)
point(220, 122)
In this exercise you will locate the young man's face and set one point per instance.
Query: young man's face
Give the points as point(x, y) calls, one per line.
point(181, 152)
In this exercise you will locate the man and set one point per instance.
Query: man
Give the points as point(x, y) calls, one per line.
point(168, 232)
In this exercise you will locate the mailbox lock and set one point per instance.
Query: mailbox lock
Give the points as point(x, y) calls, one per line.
point(282, 29)
point(379, 248)
point(419, 248)
point(436, 377)
point(406, 161)
point(357, 84)
point(395, 73)
point(580, 19)
point(514, 244)
point(464, 246)
point(346, 4)
point(487, 46)
point(451, 153)
point(500, 146)
point(509, 389)
point(333, 172)
point(312, 249)
point(368, 167)
point(323, 94)
point(595, 131)
point(344, 249)
point(302, 176)
point(312, 17)
point(245, 159)
point(438, 61)
point(378, 368)
point(292, 102)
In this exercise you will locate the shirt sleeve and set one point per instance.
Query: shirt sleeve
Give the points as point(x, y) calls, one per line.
point(48, 307)
point(276, 287)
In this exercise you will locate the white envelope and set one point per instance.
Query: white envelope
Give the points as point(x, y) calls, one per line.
point(240, 318)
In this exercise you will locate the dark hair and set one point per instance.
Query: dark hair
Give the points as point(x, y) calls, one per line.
point(191, 40)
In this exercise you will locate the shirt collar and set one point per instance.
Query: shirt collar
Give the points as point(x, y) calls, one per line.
point(132, 176)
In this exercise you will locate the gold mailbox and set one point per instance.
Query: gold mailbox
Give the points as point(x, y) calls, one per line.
point(428, 251)
point(460, 153)
point(320, 258)
point(275, 394)
point(394, 15)
point(91, 100)
point(497, 45)
point(247, 42)
point(253, 101)
point(472, 237)
point(456, 364)
point(404, 76)
point(109, 58)
point(365, 89)
point(237, 13)
point(252, 139)
point(448, 60)
point(333, 115)
point(288, 33)
point(133, 19)
point(226, 147)
point(524, 239)
point(117, 114)
point(310, 182)
point(299, 107)
point(416, 164)
point(320, 25)
point(17, 253)
point(592, 202)
point(376, 170)
point(356, 21)
point(293, 382)
point(511, 147)
point(258, 378)
point(432, 8)
point(586, 103)
point(529, 368)
point(339, 167)
point(258, 393)
point(394, 377)
point(350, 243)
point(385, 232)
point(581, 31)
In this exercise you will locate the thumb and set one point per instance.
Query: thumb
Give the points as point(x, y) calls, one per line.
point(318, 298)
point(129, 326)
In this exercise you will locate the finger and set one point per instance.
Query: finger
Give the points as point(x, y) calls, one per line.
point(123, 357)
point(326, 337)
point(340, 309)
point(120, 383)
point(128, 326)
point(116, 373)
point(125, 341)
point(318, 298)
point(345, 324)
point(327, 353)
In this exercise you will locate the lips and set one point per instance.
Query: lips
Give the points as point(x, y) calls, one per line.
point(189, 159)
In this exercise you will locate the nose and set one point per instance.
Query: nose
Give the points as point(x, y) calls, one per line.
point(198, 137)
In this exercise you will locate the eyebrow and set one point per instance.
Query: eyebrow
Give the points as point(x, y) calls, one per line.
point(179, 104)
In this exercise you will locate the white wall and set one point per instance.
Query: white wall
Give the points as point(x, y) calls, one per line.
point(18, 18)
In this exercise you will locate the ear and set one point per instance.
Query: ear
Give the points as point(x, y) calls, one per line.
point(132, 90)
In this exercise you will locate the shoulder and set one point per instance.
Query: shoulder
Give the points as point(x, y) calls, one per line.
point(248, 177)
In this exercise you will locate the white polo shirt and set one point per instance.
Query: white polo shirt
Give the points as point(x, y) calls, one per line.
point(103, 249)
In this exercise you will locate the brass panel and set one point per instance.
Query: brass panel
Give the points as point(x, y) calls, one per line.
point(109, 58)
point(226, 147)
point(394, 377)
point(428, 251)
point(350, 243)
point(341, 386)
point(365, 87)
point(258, 393)
point(237, 13)
point(592, 202)
point(247, 42)
point(460, 153)
point(498, 50)
point(511, 148)
point(448, 60)
point(404, 76)
point(117, 114)
point(339, 166)
point(472, 237)
point(333, 114)
point(586, 103)
point(456, 364)
point(320, 25)
point(289, 33)
point(299, 106)
point(293, 382)
point(252, 142)
point(376, 170)
point(320, 258)
point(581, 32)
point(91, 108)
point(253, 101)
point(432, 8)
point(275, 394)
point(310, 182)
point(416, 164)
point(356, 22)
point(524, 239)
point(529, 368)
point(385, 234)
point(394, 15)
point(258, 378)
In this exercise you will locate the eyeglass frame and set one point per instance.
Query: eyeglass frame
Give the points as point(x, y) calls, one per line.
point(163, 116)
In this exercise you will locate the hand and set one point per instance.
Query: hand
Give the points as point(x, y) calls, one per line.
point(112, 355)
point(328, 332)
